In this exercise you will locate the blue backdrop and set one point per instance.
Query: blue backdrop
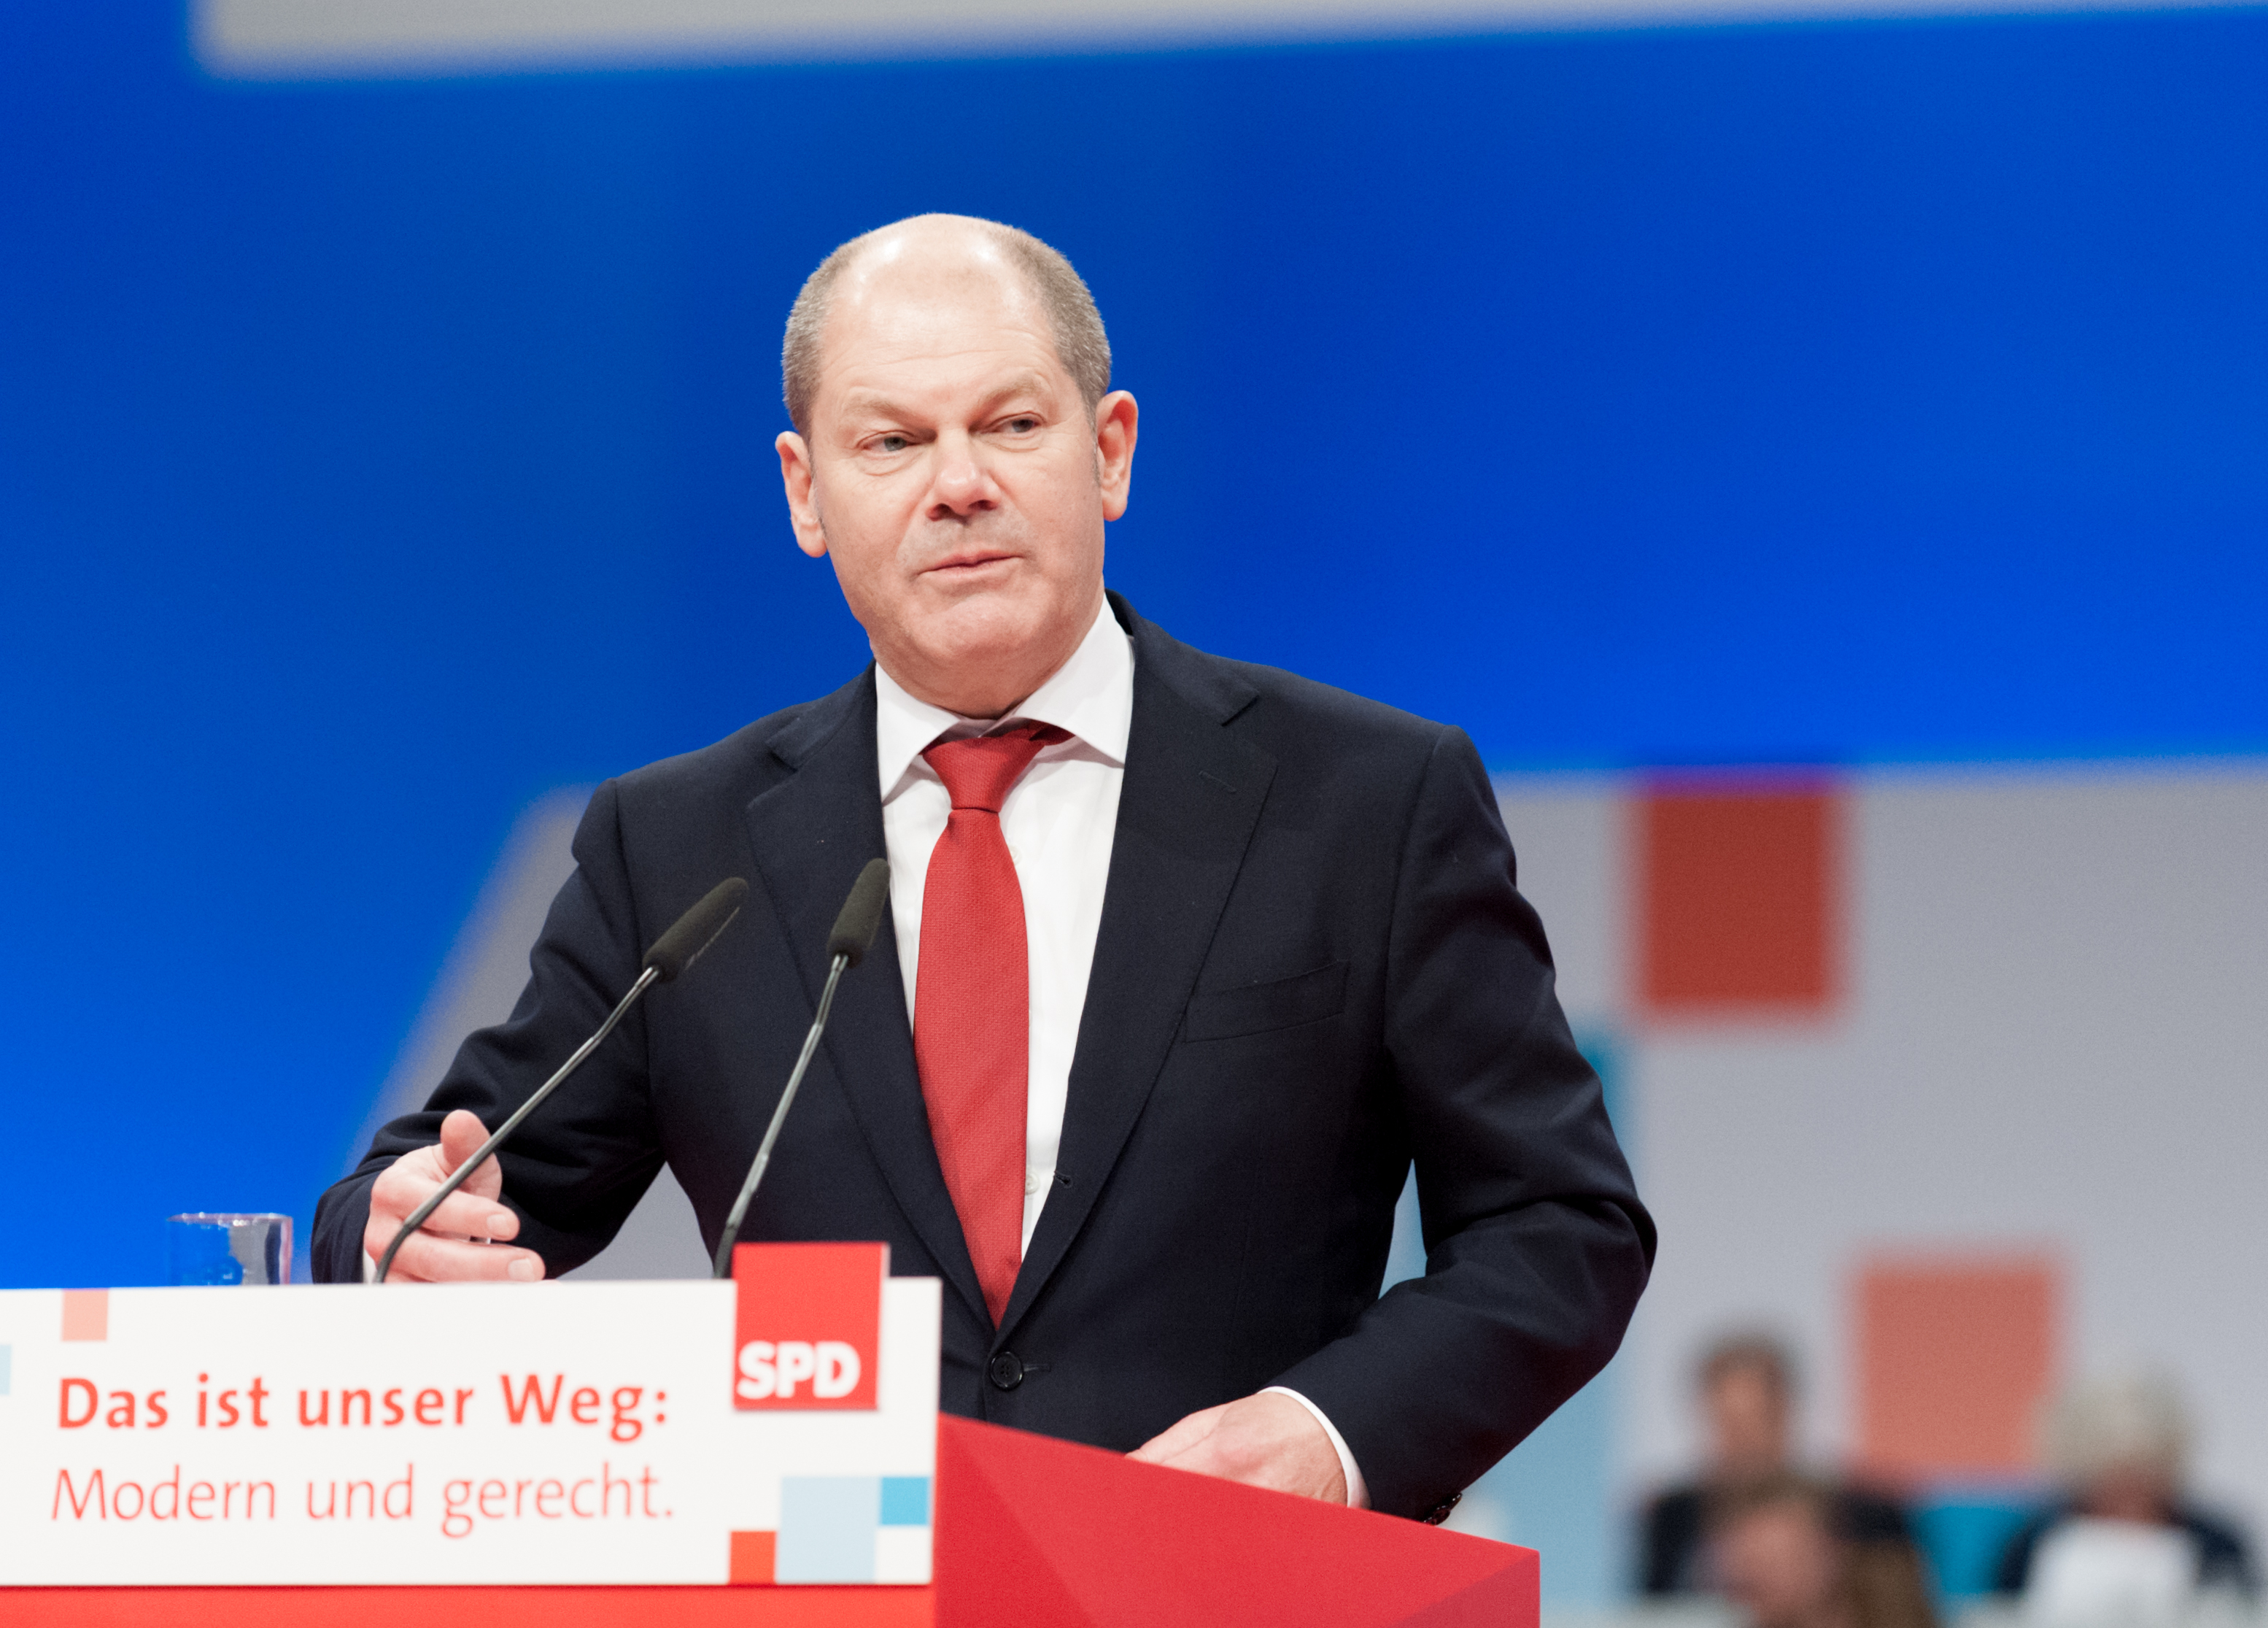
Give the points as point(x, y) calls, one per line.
point(374, 457)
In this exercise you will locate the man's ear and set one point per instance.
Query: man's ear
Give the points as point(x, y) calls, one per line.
point(1115, 421)
point(802, 507)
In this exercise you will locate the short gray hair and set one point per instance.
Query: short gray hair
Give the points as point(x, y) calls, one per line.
point(1075, 325)
point(2115, 1421)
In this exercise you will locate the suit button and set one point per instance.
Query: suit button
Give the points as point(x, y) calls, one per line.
point(1007, 1371)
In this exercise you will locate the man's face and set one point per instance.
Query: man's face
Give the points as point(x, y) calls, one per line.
point(1748, 1422)
point(1780, 1564)
point(953, 474)
point(2143, 1493)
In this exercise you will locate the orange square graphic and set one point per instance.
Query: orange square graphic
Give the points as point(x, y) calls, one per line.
point(87, 1314)
point(1741, 901)
point(752, 1557)
point(1955, 1356)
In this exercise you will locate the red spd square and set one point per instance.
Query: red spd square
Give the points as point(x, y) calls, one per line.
point(807, 1327)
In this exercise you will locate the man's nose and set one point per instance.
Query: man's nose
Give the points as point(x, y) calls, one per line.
point(962, 485)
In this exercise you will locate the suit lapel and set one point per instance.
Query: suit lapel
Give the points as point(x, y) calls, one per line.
point(1186, 813)
point(812, 834)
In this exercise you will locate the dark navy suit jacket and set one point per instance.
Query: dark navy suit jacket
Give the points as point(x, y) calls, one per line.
point(1312, 968)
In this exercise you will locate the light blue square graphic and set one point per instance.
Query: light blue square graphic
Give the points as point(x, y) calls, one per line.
point(7, 1355)
point(827, 1528)
point(905, 1500)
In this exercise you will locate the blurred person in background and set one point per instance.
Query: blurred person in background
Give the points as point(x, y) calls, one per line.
point(1781, 1550)
point(1747, 1386)
point(2123, 1546)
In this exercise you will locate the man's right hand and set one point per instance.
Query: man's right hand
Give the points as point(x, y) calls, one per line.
point(442, 1250)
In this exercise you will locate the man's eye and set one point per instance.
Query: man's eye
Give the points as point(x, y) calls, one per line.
point(1022, 425)
point(891, 443)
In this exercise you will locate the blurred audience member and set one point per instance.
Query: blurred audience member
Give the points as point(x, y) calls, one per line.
point(2122, 1549)
point(1748, 1389)
point(1780, 1553)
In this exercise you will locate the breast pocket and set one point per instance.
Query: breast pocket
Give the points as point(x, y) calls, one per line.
point(1256, 1008)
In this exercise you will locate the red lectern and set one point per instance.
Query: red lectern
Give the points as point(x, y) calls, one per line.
point(765, 1452)
point(1034, 1531)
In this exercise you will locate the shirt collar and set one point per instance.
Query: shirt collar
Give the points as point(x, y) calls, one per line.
point(1091, 696)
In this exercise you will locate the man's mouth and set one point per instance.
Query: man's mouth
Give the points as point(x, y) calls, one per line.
point(970, 560)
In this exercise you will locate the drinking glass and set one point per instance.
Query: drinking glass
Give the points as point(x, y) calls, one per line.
point(203, 1248)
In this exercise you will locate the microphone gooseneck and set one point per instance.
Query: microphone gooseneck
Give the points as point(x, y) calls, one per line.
point(672, 953)
point(855, 927)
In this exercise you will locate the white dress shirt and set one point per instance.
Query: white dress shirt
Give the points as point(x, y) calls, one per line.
point(1058, 820)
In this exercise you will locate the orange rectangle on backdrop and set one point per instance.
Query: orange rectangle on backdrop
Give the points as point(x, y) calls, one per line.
point(1740, 900)
point(1955, 1355)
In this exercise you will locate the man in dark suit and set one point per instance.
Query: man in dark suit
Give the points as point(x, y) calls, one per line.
point(1187, 961)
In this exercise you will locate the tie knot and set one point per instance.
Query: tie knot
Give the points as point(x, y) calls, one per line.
point(978, 771)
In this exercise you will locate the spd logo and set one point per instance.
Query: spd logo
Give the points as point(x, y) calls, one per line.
point(807, 1325)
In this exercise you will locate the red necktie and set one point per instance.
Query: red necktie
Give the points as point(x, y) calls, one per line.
point(972, 1001)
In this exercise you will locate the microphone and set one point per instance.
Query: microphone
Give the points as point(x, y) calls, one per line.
point(672, 956)
point(861, 918)
point(674, 953)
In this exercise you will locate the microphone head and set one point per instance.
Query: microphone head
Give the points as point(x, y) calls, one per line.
point(698, 929)
point(861, 914)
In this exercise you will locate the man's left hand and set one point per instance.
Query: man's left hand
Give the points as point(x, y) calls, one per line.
point(1264, 1441)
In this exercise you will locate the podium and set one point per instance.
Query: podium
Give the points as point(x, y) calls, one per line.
point(751, 1440)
